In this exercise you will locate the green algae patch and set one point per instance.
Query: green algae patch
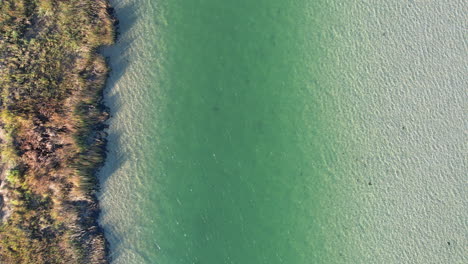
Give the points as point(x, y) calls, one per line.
point(51, 129)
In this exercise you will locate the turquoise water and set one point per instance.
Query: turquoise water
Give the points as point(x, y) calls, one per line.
point(234, 135)
point(240, 171)
point(270, 131)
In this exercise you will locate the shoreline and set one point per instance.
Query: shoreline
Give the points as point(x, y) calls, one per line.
point(53, 135)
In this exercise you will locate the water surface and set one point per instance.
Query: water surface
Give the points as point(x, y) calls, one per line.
point(294, 132)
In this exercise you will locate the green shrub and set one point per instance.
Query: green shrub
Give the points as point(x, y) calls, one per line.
point(13, 176)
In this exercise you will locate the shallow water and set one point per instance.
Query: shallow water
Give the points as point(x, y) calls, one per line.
point(275, 131)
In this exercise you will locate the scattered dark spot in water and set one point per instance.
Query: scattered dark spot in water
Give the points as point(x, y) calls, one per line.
point(384, 34)
point(403, 127)
point(448, 243)
point(370, 183)
point(215, 108)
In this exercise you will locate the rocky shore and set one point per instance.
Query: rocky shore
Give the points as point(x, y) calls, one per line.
point(52, 137)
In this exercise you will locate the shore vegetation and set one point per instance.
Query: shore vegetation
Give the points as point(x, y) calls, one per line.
point(51, 129)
